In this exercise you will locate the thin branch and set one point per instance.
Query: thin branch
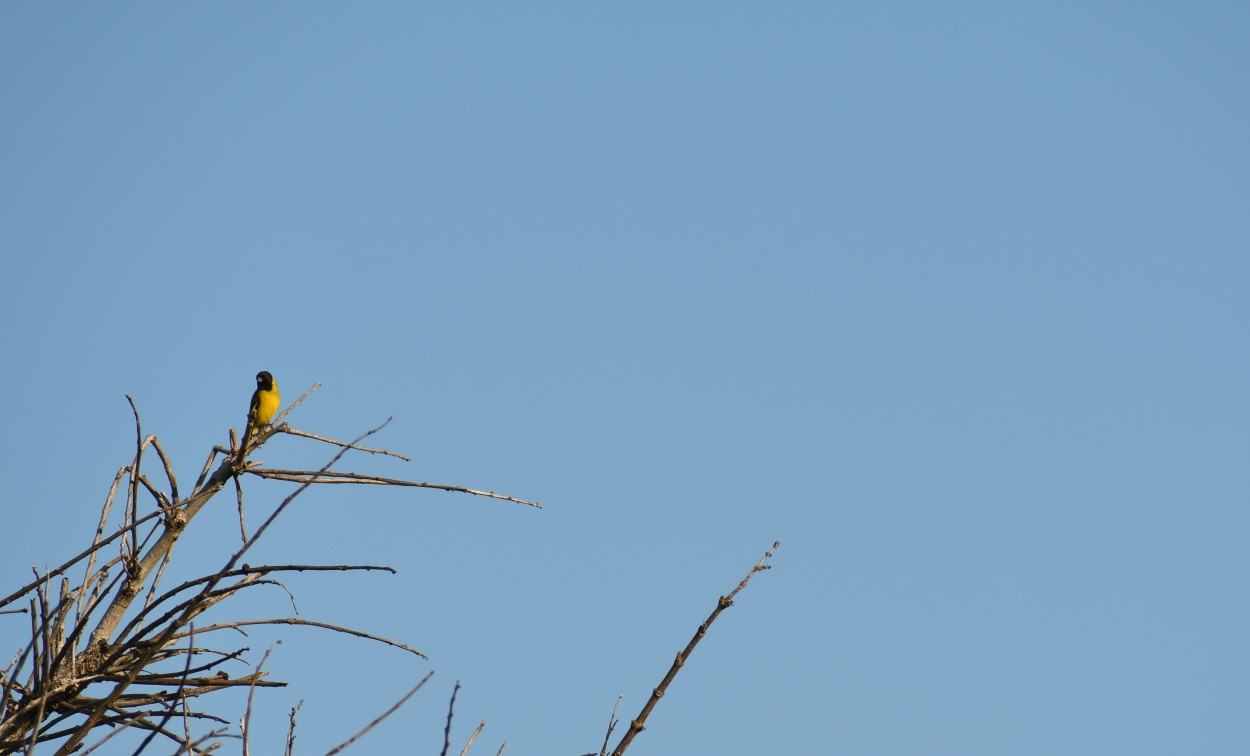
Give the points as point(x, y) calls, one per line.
point(385, 714)
point(173, 702)
point(304, 434)
point(196, 686)
point(156, 581)
point(158, 495)
point(132, 499)
point(139, 720)
point(248, 571)
point(291, 497)
point(99, 531)
point(300, 401)
point(208, 463)
point(612, 720)
point(480, 726)
point(639, 723)
point(186, 715)
point(304, 476)
point(169, 470)
point(112, 733)
point(41, 663)
point(223, 657)
point(251, 691)
point(290, 732)
point(187, 610)
point(113, 613)
point(759, 567)
point(451, 710)
point(83, 555)
point(250, 577)
point(310, 623)
point(238, 491)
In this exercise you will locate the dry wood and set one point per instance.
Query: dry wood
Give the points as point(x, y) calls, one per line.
point(639, 723)
point(97, 651)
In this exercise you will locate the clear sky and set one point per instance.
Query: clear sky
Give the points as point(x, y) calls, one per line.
point(951, 299)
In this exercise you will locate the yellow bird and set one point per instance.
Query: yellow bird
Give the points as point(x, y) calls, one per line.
point(265, 401)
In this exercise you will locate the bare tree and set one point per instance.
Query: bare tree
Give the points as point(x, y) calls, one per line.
point(116, 652)
point(119, 650)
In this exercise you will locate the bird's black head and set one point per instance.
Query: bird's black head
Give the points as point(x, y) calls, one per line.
point(264, 380)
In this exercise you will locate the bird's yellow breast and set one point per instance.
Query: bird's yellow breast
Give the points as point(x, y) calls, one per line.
point(266, 405)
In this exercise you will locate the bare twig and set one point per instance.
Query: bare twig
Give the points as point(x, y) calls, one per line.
point(169, 470)
point(305, 476)
point(132, 500)
point(248, 571)
point(310, 623)
point(385, 714)
point(95, 542)
point(85, 553)
point(639, 723)
point(315, 437)
point(451, 710)
point(238, 495)
point(290, 731)
point(173, 702)
point(251, 691)
point(291, 497)
point(612, 720)
point(291, 407)
point(41, 662)
point(162, 501)
point(480, 726)
point(208, 464)
point(156, 581)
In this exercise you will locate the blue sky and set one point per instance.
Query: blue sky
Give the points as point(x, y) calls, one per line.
point(951, 300)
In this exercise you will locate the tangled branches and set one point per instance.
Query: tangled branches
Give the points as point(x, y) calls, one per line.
point(116, 651)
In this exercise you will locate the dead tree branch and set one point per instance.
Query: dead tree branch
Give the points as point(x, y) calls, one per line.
point(101, 652)
point(339, 748)
point(639, 723)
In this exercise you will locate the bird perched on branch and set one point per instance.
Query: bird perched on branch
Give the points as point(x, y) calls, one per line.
point(265, 401)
